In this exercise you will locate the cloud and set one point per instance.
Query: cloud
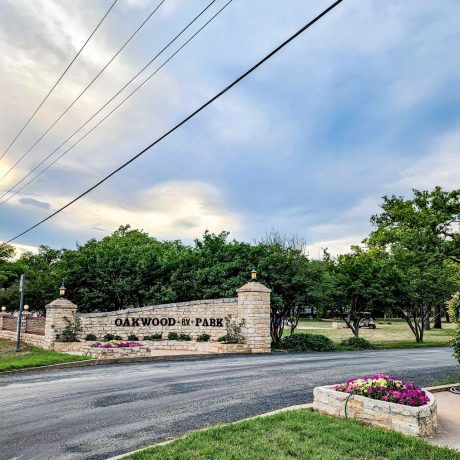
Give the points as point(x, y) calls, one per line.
point(167, 210)
point(33, 202)
point(440, 166)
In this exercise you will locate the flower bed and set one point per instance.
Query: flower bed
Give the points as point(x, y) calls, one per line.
point(386, 388)
point(116, 344)
point(381, 400)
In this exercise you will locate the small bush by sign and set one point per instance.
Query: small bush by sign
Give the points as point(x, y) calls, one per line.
point(71, 331)
point(173, 336)
point(233, 330)
point(184, 337)
point(153, 336)
point(90, 338)
point(203, 338)
point(133, 338)
point(109, 337)
point(385, 388)
point(307, 342)
point(358, 343)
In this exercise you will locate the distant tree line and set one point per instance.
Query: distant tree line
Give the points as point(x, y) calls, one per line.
point(408, 266)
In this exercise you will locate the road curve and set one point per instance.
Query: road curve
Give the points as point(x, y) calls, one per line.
point(98, 412)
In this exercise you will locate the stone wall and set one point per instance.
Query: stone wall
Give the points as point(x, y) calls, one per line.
point(417, 421)
point(9, 325)
point(194, 318)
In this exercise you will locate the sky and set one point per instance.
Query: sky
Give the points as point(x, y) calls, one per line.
point(362, 105)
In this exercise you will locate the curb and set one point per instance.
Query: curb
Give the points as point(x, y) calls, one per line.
point(308, 406)
point(439, 388)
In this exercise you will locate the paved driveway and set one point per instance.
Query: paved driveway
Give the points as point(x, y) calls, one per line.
point(98, 412)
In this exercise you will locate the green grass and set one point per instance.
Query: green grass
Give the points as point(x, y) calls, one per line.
point(394, 335)
point(452, 379)
point(298, 434)
point(30, 357)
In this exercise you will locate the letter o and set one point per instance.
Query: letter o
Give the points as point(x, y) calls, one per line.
point(118, 322)
point(164, 321)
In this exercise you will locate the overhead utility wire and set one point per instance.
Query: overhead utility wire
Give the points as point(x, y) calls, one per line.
point(57, 82)
point(83, 92)
point(185, 120)
point(110, 100)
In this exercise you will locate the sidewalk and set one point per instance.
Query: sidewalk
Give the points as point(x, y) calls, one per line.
point(448, 419)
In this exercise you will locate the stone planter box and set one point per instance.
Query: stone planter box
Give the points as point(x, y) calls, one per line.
point(417, 421)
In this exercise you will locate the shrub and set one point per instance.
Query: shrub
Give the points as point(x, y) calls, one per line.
point(133, 338)
point(233, 330)
point(90, 337)
point(72, 329)
point(172, 336)
point(184, 337)
point(153, 336)
point(224, 338)
point(358, 343)
point(109, 337)
point(307, 342)
point(203, 338)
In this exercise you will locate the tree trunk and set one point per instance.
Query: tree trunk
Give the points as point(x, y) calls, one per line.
point(447, 316)
point(437, 317)
point(426, 319)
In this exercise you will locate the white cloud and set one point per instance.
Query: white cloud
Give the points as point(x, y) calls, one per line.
point(440, 166)
point(168, 210)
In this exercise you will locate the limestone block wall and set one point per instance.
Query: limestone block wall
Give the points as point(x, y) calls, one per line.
point(418, 421)
point(195, 318)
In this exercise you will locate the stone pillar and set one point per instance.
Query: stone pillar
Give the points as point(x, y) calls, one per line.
point(254, 307)
point(55, 323)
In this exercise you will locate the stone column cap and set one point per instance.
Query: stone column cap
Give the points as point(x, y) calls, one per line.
point(254, 286)
point(61, 303)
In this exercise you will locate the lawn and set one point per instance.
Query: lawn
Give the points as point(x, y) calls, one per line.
point(30, 356)
point(394, 333)
point(298, 434)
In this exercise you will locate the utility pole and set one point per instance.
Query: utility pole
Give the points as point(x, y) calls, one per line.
point(21, 306)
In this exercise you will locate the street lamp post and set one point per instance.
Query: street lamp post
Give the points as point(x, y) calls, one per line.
point(21, 305)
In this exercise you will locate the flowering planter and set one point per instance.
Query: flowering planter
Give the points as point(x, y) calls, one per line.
point(417, 421)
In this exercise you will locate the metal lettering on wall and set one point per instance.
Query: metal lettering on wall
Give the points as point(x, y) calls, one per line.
point(198, 322)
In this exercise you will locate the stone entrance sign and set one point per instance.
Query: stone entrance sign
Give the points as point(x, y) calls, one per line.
point(193, 318)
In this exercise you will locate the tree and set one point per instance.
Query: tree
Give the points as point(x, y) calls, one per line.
point(426, 225)
point(358, 284)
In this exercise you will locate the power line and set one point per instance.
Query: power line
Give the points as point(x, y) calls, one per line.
point(110, 100)
point(57, 82)
point(186, 119)
point(83, 92)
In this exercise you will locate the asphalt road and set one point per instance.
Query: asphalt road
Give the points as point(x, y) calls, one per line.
point(99, 412)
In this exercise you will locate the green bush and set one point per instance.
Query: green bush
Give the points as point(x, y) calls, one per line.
point(132, 338)
point(109, 337)
point(72, 329)
point(224, 338)
point(90, 338)
point(172, 336)
point(153, 336)
point(307, 342)
point(203, 338)
point(357, 342)
point(184, 337)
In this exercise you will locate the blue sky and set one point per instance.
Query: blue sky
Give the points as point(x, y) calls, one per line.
point(363, 105)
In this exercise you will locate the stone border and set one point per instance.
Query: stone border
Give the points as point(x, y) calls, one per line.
point(416, 421)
